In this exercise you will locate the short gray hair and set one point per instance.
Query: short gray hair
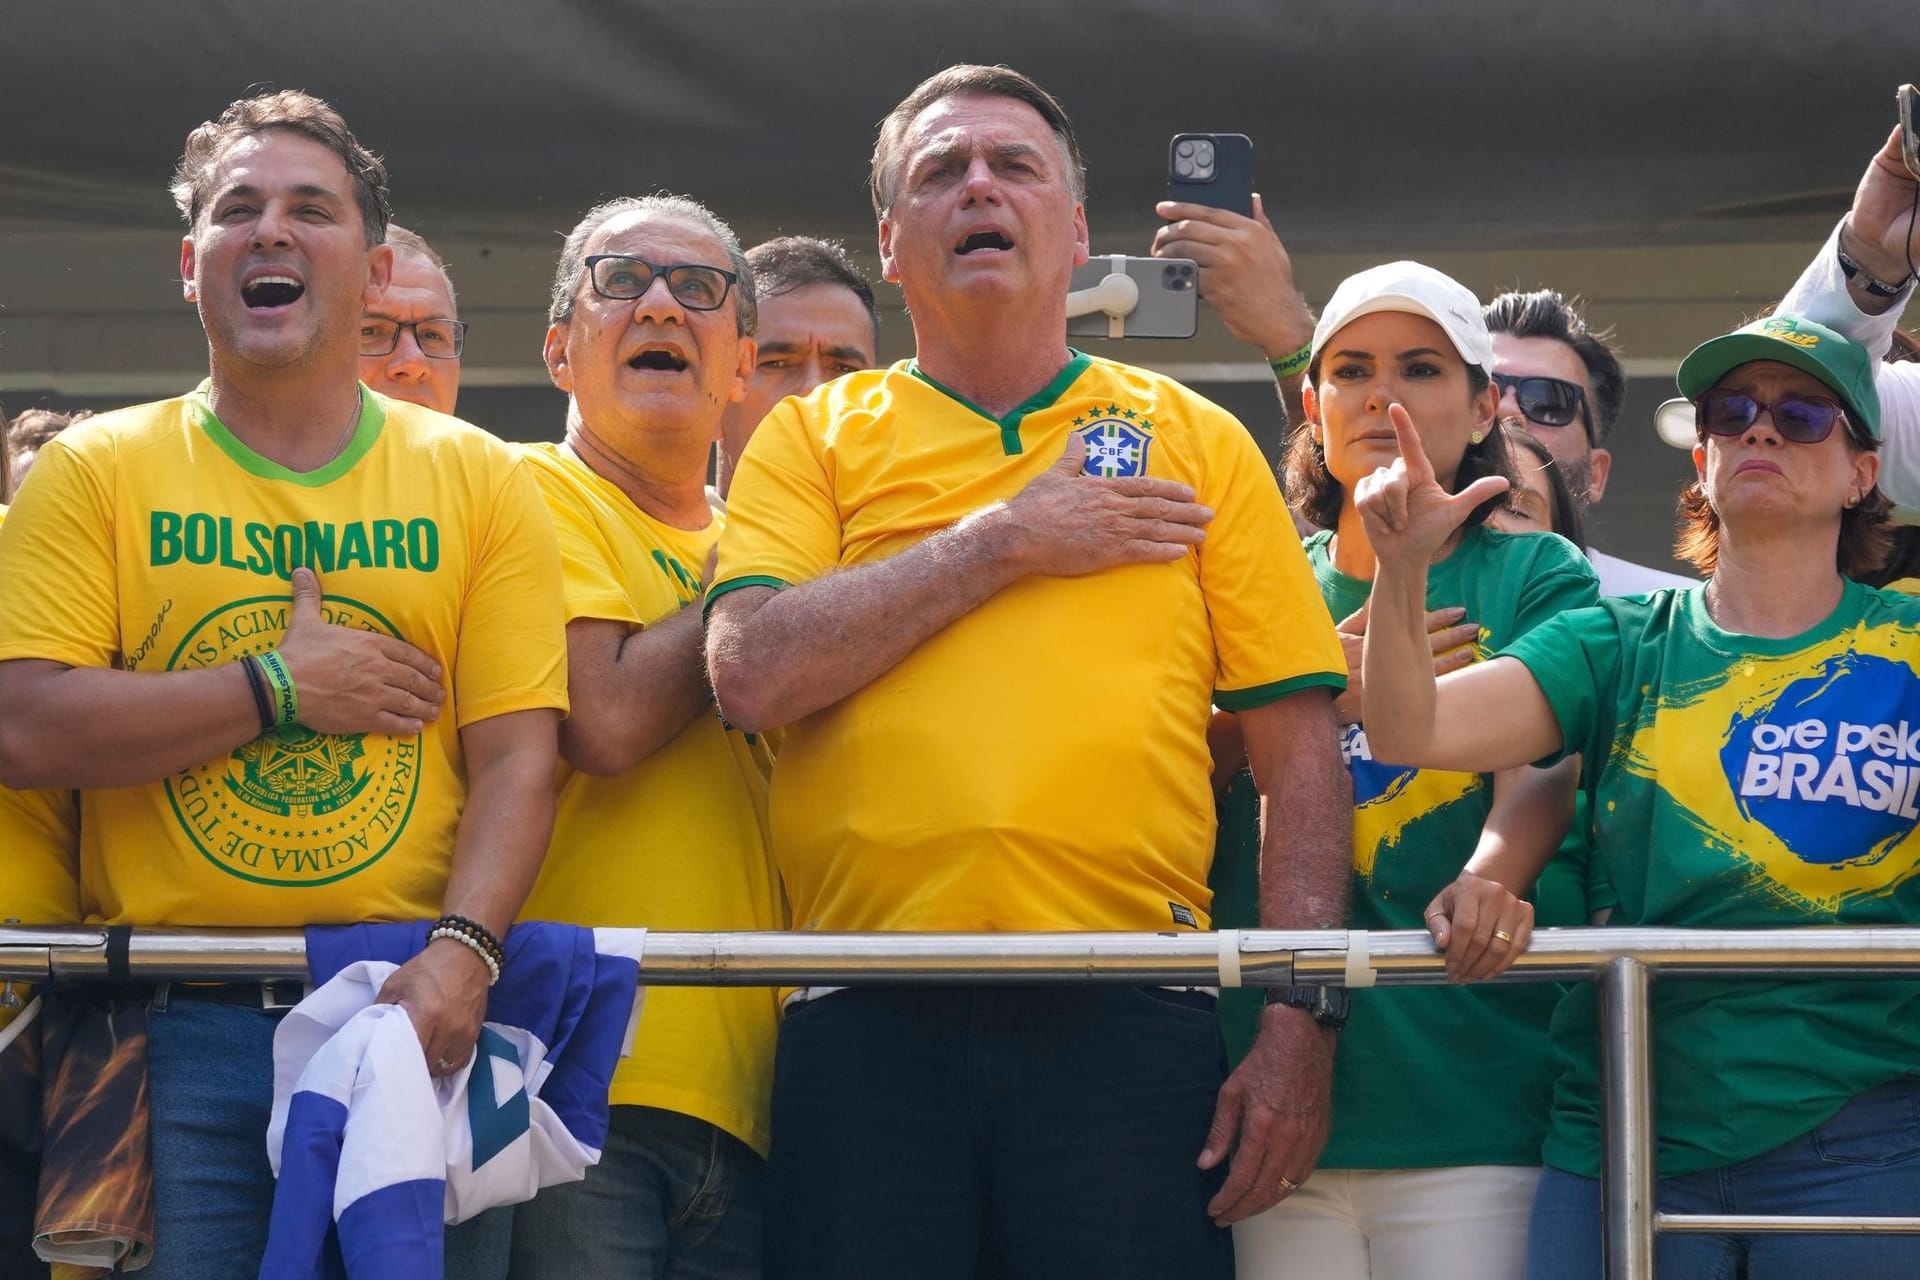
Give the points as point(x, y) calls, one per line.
point(573, 254)
point(961, 81)
point(402, 240)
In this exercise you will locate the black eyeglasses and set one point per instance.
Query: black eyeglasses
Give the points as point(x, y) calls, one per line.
point(438, 339)
point(693, 285)
point(1801, 419)
point(1547, 402)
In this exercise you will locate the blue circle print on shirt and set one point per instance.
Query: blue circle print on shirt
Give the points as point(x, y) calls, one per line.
point(1832, 767)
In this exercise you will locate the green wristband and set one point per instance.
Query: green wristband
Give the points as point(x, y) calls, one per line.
point(286, 702)
point(1294, 365)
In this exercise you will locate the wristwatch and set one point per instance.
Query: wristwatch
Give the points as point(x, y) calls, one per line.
point(1328, 1005)
point(1859, 275)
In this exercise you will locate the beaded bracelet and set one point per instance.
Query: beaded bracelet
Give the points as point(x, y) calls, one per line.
point(478, 932)
point(473, 944)
point(1294, 365)
point(262, 700)
point(286, 700)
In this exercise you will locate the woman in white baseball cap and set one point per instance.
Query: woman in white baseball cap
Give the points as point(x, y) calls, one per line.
point(1440, 1094)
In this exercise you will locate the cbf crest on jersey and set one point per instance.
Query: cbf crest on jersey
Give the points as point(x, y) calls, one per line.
point(1117, 442)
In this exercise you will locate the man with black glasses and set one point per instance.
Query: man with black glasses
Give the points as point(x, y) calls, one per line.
point(659, 806)
point(1565, 385)
point(410, 339)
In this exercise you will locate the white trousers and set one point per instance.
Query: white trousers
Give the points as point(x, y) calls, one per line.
point(1467, 1222)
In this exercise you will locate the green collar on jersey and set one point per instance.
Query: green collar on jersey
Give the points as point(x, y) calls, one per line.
point(372, 416)
point(1041, 399)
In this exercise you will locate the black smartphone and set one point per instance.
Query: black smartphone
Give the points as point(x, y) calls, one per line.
point(1214, 169)
point(1910, 129)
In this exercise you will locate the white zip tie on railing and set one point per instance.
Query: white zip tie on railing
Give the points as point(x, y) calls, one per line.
point(1229, 958)
point(1360, 970)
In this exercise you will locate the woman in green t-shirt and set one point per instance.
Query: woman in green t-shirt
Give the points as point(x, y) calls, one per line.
point(1440, 1094)
point(1756, 743)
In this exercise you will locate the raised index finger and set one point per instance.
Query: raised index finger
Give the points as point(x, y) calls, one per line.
point(1407, 436)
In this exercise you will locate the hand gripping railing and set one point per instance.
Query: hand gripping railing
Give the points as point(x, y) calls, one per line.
point(1623, 961)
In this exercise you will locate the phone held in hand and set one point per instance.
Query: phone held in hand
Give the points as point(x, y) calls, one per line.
point(1910, 129)
point(1214, 169)
point(1115, 296)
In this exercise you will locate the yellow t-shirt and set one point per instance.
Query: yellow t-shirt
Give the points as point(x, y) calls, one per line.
point(39, 861)
point(676, 842)
point(1041, 764)
point(152, 539)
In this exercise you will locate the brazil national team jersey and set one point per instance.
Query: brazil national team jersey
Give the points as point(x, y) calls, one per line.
point(152, 539)
point(1433, 1076)
point(676, 842)
point(1041, 763)
point(1743, 783)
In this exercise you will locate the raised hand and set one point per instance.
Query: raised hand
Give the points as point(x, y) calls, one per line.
point(1408, 516)
point(352, 681)
point(1880, 232)
point(1065, 523)
point(1246, 275)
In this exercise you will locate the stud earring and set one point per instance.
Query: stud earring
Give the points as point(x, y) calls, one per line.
point(1478, 436)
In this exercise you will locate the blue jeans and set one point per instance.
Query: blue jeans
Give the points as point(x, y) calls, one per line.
point(673, 1198)
point(953, 1133)
point(210, 1086)
point(1864, 1162)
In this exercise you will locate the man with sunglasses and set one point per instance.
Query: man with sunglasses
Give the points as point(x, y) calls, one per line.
point(658, 820)
point(1564, 384)
point(410, 339)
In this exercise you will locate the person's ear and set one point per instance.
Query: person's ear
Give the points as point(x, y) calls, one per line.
point(1866, 473)
point(1700, 463)
point(1599, 467)
point(749, 355)
point(379, 274)
point(189, 264)
point(554, 351)
point(889, 268)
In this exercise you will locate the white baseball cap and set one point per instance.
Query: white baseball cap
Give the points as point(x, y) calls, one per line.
point(1413, 287)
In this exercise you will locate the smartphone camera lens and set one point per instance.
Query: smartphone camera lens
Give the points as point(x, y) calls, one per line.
point(1193, 159)
point(1178, 276)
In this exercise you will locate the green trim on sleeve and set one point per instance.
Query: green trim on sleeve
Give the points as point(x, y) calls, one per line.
point(373, 416)
point(1041, 399)
point(1262, 694)
point(719, 589)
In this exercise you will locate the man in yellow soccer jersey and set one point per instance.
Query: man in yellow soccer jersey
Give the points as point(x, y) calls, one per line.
point(411, 335)
point(249, 751)
point(817, 322)
point(993, 592)
point(661, 817)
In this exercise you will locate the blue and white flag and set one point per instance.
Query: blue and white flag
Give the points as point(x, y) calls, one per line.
point(374, 1156)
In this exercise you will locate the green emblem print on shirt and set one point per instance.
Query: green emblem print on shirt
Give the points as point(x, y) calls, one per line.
point(292, 808)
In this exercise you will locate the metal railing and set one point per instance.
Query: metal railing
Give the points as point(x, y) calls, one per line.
point(1624, 962)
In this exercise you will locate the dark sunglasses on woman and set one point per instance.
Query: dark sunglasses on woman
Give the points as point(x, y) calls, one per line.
point(1547, 402)
point(1801, 419)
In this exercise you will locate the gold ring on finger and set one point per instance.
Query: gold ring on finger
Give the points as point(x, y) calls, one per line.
point(1289, 1183)
point(1503, 935)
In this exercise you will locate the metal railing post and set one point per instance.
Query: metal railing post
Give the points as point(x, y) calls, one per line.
point(1627, 1155)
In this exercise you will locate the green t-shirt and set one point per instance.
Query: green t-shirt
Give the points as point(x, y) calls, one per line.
point(1430, 1076)
point(1742, 783)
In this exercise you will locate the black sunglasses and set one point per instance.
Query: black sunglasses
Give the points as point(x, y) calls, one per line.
point(1801, 419)
point(1547, 402)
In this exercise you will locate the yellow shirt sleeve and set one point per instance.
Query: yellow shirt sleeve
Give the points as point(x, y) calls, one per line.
point(590, 582)
point(1271, 628)
point(57, 566)
point(783, 526)
point(513, 645)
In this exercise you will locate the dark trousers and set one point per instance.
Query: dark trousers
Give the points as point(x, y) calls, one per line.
point(972, 1132)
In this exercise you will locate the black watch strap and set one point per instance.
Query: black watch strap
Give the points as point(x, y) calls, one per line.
point(1328, 1005)
point(1859, 275)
